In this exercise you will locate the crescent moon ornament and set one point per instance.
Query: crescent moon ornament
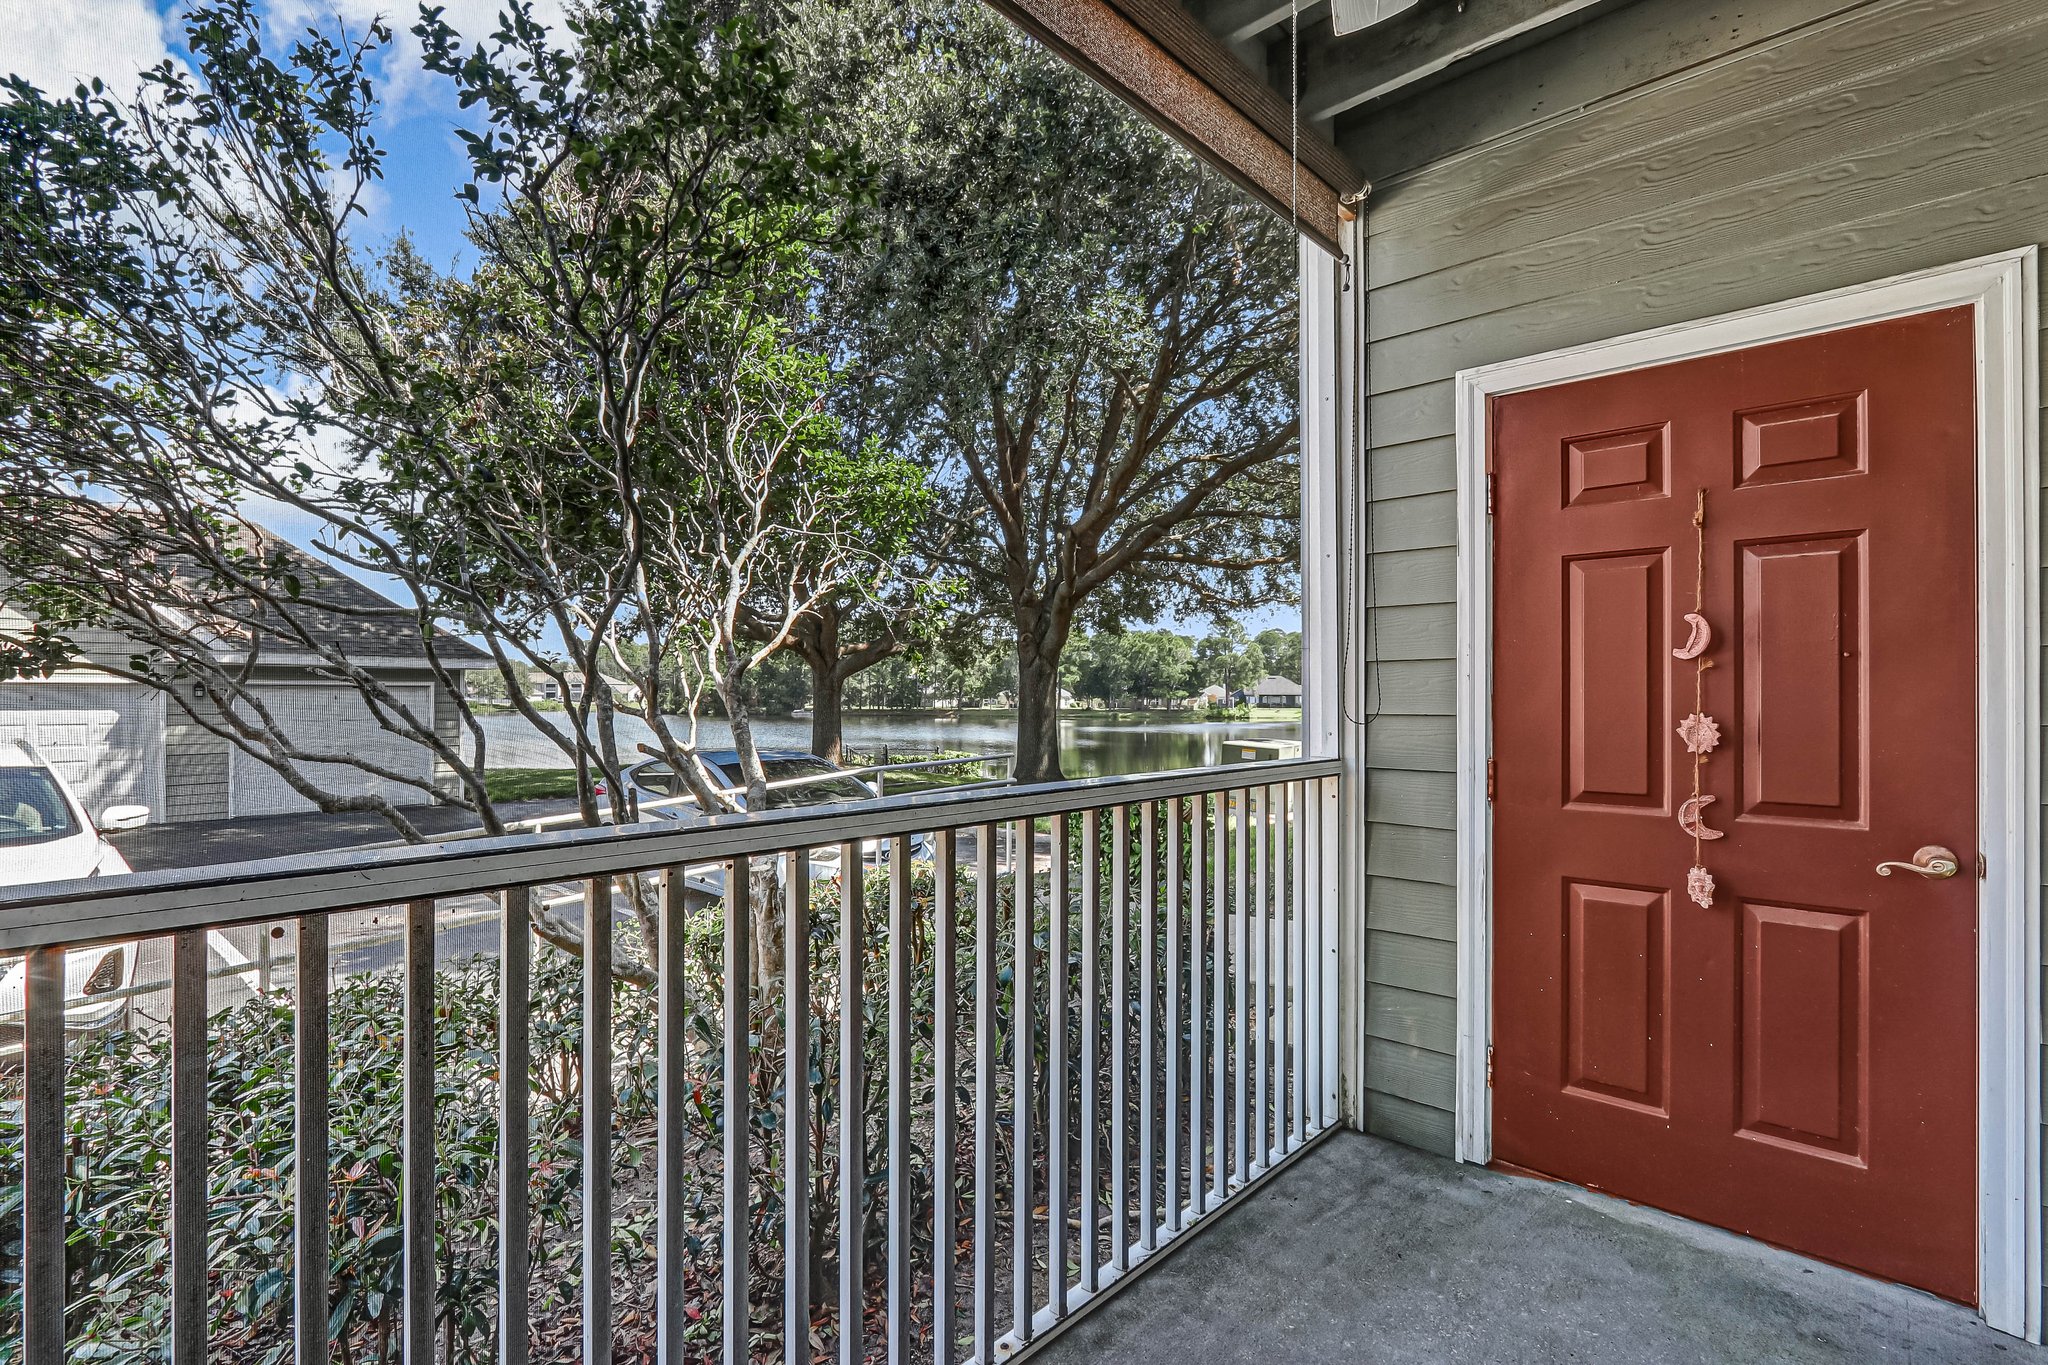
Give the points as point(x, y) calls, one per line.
point(1697, 642)
point(1689, 817)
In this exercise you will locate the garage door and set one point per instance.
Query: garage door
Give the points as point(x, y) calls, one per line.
point(107, 739)
point(331, 720)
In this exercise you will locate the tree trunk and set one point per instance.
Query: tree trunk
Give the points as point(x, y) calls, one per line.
point(828, 708)
point(1038, 713)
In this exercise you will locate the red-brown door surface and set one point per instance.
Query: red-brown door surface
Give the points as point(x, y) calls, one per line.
point(1796, 1061)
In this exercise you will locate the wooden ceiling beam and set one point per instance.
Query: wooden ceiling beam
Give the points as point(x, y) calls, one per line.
point(1176, 72)
point(1349, 71)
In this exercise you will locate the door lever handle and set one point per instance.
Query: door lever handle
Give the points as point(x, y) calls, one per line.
point(1932, 862)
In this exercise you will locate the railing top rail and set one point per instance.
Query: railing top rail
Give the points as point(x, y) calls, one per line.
point(97, 910)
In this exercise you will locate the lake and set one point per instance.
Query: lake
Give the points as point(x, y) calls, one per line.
point(1091, 745)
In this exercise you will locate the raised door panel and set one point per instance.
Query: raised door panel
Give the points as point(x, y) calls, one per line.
point(1615, 745)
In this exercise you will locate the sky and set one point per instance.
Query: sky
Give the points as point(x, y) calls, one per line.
point(58, 43)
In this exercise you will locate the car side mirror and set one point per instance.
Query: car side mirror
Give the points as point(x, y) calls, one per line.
point(124, 817)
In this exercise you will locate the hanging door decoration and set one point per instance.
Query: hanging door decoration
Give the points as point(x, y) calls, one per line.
point(1699, 732)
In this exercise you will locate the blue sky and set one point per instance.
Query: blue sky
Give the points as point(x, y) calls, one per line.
point(56, 43)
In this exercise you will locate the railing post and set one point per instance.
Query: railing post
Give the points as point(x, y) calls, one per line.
point(515, 1066)
point(1199, 1126)
point(739, 954)
point(672, 1048)
point(418, 1179)
point(44, 1166)
point(796, 1112)
point(945, 1110)
point(1091, 1055)
point(188, 1147)
point(1057, 953)
point(852, 1104)
point(899, 1100)
point(310, 1307)
point(1120, 1040)
point(1148, 1022)
point(984, 1092)
point(1023, 1053)
point(597, 1119)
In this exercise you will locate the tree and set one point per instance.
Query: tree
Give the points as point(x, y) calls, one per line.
point(1087, 338)
point(1229, 659)
point(1280, 651)
point(607, 433)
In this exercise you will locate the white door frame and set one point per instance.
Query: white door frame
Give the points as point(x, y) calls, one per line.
point(2004, 290)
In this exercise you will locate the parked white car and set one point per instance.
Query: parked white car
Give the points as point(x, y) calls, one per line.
point(46, 836)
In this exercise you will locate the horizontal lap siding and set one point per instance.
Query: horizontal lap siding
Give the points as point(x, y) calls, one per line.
point(1667, 162)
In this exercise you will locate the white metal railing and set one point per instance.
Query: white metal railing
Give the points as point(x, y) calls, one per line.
point(1054, 1110)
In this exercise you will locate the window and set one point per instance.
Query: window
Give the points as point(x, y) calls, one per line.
point(32, 807)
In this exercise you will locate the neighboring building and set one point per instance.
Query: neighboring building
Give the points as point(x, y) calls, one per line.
point(623, 693)
point(121, 742)
point(1273, 690)
point(1215, 694)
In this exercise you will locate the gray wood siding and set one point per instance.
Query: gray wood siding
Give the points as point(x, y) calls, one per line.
point(195, 767)
point(1667, 162)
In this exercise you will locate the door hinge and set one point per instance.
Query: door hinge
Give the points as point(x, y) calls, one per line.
point(1489, 492)
point(1489, 1068)
point(1492, 780)
point(1983, 868)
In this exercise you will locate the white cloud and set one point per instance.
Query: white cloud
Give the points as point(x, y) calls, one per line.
point(59, 43)
point(404, 82)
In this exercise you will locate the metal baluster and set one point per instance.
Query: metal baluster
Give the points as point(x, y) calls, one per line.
point(1120, 1040)
point(739, 971)
point(1148, 1022)
point(597, 1119)
point(796, 1110)
point(1198, 1006)
point(1176, 811)
point(1023, 1052)
point(1242, 1002)
point(852, 1107)
point(900, 1150)
point(1221, 929)
point(945, 1111)
point(1308, 907)
point(1262, 976)
point(1091, 1028)
point(188, 1146)
point(1327, 910)
point(1297, 936)
point(417, 1192)
point(44, 1159)
point(1276, 801)
point(515, 1152)
point(310, 1308)
point(984, 1092)
point(1057, 956)
point(672, 1082)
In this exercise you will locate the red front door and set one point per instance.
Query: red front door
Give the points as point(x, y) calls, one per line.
point(1796, 1061)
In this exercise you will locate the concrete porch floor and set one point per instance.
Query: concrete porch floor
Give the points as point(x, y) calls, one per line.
point(1367, 1251)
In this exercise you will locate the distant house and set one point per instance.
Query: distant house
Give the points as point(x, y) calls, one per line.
point(1215, 694)
point(1273, 690)
point(122, 743)
point(623, 693)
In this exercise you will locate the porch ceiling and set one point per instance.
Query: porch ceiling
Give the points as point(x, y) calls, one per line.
point(1216, 74)
point(1364, 1250)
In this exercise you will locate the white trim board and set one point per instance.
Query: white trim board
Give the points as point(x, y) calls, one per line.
point(2004, 289)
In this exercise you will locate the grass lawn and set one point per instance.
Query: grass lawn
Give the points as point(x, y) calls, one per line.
point(530, 784)
point(1276, 713)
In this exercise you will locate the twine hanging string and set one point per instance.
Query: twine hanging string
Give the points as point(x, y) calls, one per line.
point(1702, 663)
point(1699, 730)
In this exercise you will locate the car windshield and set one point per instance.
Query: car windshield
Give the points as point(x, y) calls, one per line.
point(842, 788)
point(660, 779)
point(32, 808)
